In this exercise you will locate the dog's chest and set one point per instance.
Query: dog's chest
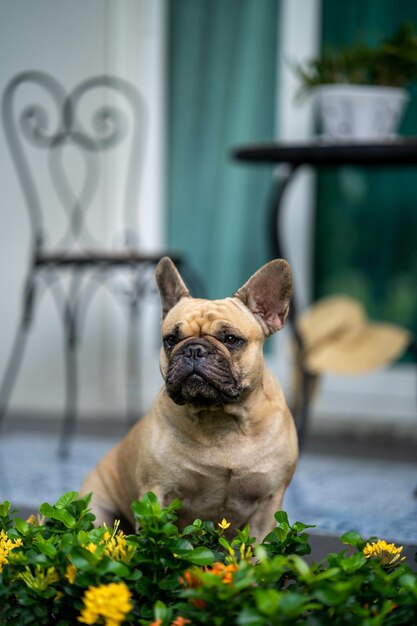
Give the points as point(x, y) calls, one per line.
point(214, 491)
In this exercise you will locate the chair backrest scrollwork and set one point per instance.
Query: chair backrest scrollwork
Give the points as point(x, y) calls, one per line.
point(111, 126)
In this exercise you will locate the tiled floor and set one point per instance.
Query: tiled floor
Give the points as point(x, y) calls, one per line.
point(336, 493)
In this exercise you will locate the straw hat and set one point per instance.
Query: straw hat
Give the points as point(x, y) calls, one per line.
point(339, 338)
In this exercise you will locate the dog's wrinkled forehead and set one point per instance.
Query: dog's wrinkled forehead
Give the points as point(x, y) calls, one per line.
point(197, 317)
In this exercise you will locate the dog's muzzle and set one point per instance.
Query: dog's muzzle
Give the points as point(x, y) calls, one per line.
point(200, 374)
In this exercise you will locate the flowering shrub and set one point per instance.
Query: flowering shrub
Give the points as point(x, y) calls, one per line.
point(57, 568)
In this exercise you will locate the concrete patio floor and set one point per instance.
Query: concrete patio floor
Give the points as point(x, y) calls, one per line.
point(340, 484)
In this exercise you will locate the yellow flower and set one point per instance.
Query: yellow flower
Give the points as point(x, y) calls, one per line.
point(246, 552)
point(116, 547)
point(388, 554)
point(224, 524)
point(6, 546)
point(113, 544)
point(110, 602)
point(36, 520)
point(91, 547)
point(70, 573)
point(41, 579)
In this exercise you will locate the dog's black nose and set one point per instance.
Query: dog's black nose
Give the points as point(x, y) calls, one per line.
point(195, 351)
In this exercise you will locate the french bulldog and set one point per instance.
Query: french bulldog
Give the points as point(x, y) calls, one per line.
point(219, 435)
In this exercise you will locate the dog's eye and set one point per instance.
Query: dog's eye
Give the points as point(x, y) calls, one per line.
point(232, 340)
point(170, 341)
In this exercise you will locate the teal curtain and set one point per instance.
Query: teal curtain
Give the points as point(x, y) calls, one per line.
point(366, 230)
point(222, 79)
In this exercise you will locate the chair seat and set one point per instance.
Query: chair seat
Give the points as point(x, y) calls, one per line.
point(98, 257)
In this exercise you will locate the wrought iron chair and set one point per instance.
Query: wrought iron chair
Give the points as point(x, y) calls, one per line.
point(78, 263)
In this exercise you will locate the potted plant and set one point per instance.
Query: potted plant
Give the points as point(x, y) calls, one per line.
point(360, 92)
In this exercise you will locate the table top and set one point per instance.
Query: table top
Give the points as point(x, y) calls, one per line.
point(321, 153)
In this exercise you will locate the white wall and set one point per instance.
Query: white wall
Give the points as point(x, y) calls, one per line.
point(73, 40)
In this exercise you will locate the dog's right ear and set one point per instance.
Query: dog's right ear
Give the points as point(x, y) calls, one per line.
point(170, 285)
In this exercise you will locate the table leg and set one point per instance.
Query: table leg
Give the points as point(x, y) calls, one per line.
point(274, 216)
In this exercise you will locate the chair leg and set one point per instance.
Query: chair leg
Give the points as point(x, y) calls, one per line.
point(12, 370)
point(71, 395)
point(133, 403)
point(16, 355)
point(71, 330)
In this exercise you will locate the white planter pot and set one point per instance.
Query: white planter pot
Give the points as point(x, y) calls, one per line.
point(359, 112)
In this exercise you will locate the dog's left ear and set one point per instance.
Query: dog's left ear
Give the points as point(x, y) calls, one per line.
point(267, 294)
point(170, 284)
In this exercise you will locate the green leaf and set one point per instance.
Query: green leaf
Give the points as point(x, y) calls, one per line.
point(332, 572)
point(83, 537)
point(243, 536)
point(225, 544)
point(300, 566)
point(152, 503)
point(107, 566)
point(174, 505)
point(409, 582)
point(270, 538)
point(21, 525)
point(199, 556)
point(281, 516)
point(261, 553)
point(282, 531)
point(66, 499)
point(4, 508)
point(180, 546)
point(250, 617)
point(352, 538)
point(299, 526)
point(189, 529)
point(328, 595)
point(83, 559)
point(147, 506)
point(292, 604)
point(267, 600)
point(58, 514)
point(169, 529)
point(160, 610)
point(353, 563)
point(46, 547)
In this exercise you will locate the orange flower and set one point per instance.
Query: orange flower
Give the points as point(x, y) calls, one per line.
point(217, 569)
point(157, 622)
point(228, 576)
point(180, 621)
point(225, 571)
point(190, 580)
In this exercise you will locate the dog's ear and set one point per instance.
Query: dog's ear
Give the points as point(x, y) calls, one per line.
point(267, 294)
point(170, 284)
